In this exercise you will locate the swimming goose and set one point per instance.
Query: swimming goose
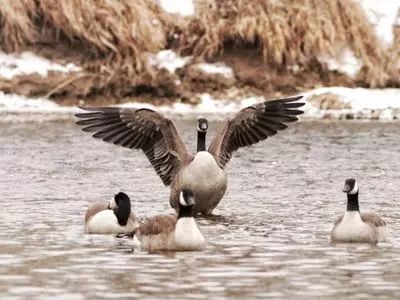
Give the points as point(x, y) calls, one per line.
point(159, 139)
point(172, 233)
point(114, 217)
point(354, 226)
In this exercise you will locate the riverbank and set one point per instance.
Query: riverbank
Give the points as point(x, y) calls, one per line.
point(202, 58)
point(270, 47)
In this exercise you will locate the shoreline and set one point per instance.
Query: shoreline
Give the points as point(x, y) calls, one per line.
point(336, 103)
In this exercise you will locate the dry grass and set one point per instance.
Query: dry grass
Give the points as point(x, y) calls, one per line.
point(394, 52)
point(289, 32)
point(111, 40)
point(112, 37)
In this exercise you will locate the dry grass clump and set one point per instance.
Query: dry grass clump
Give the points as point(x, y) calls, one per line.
point(112, 37)
point(288, 32)
point(394, 52)
point(17, 24)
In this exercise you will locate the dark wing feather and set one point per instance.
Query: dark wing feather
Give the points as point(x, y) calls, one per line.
point(253, 124)
point(142, 129)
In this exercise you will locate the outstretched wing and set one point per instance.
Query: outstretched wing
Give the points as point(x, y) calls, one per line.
point(253, 124)
point(142, 129)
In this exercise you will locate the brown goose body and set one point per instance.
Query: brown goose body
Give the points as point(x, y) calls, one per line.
point(371, 229)
point(205, 178)
point(172, 233)
point(157, 136)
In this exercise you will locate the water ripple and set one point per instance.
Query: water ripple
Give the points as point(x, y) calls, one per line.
point(269, 238)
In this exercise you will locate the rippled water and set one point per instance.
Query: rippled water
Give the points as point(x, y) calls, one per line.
point(270, 238)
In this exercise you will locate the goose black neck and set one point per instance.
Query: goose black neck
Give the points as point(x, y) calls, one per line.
point(352, 202)
point(185, 211)
point(201, 141)
point(123, 212)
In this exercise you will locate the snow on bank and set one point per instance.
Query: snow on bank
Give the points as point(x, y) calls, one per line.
point(12, 65)
point(383, 15)
point(183, 7)
point(360, 104)
point(171, 61)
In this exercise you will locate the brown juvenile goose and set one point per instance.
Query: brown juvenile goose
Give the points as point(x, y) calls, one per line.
point(172, 233)
point(159, 139)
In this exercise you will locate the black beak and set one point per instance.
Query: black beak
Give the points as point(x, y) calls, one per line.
point(203, 127)
point(346, 188)
point(191, 201)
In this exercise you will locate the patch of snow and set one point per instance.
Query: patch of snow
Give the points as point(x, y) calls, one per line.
point(17, 103)
point(347, 64)
point(364, 103)
point(169, 60)
point(12, 65)
point(382, 14)
point(380, 104)
point(183, 7)
point(218, 68)
point(361, 98)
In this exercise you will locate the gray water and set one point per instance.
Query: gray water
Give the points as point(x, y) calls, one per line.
point(269, 238)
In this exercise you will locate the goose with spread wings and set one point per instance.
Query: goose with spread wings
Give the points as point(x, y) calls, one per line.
point(158, 137)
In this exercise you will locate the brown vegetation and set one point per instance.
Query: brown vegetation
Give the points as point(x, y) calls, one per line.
point(289, 32)
point(111, 40)
point(272, 46)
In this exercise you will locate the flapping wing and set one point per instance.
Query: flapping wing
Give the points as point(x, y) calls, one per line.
point(253, 124)
point(373, 219)
point(142, 129)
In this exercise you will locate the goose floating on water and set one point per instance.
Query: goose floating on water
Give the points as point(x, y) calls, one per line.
point(111, 218)
point(172, 233)
point(203, 173)
point(354, 226)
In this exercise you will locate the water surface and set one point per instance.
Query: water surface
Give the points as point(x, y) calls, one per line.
point(270, 238)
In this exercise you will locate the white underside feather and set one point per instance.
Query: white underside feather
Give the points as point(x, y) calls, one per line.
point(353, 229)
point(203, 173)
point(105, 222)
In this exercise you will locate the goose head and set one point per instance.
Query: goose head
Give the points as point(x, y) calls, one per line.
point(202, 125)
point(350, 186)
point(186, 203)
point(186, 198)
point(121, 205)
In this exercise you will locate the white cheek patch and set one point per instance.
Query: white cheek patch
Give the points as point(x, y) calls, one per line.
point(113, 204)
point(198, 128)
point(182, 200)
point(354, 190)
